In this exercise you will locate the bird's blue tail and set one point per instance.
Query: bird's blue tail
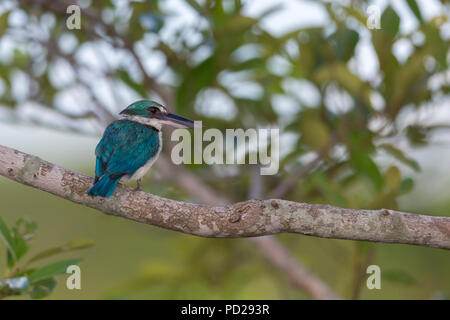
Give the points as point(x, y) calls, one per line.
point(103, 187)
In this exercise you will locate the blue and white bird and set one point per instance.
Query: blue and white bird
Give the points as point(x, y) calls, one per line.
point(131, 145)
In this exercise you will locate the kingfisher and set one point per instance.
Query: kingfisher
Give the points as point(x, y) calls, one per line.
point(131, 145)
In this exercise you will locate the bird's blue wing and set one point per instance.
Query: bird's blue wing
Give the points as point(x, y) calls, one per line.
point(125, 147)
point(99, 170)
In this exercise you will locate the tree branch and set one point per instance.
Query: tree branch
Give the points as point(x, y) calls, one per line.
point(245, 219)
point(268, 246)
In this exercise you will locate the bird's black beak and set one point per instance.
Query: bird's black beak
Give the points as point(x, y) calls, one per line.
point(176, 121)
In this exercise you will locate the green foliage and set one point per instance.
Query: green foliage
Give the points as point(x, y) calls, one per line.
point(20, 278)
point(319, 56)
point(220, 269)
point(336, 118)
point(415, 9)
point(399, 276)
point(4, 22)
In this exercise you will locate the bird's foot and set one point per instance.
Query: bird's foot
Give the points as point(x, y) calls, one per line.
point(138, 185)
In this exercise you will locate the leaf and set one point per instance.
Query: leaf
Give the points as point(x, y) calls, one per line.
point(390, 22)
point(75, 244)
point(439, 47)
point(415, 9)
point(136, 30)
point(315, 132)
point(42, 288)
point(408, 81)
point(51, 270)
point(363, 163)
point(202, 76)
point(239, 24)
point(406, 186)
point(4, 22)
point(417, 135)
point(399, 155)
point(346, 79)
point(21, 58)
point(20, 247)
point(9, 242)
point(80, 244)
point(346, 41)
point(393, 178)
point(398, 276)
point(22, 232)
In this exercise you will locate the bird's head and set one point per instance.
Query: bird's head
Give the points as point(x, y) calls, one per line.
point(154, 114)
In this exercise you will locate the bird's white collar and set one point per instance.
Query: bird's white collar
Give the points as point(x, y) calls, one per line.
point(145, 121)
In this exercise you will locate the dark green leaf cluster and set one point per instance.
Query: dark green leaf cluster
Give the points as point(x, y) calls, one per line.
point(23, 276)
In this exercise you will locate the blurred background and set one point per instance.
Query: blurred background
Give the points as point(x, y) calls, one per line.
point(363, 113)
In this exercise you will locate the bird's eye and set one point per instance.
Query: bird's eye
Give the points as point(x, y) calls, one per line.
point(153, 110)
